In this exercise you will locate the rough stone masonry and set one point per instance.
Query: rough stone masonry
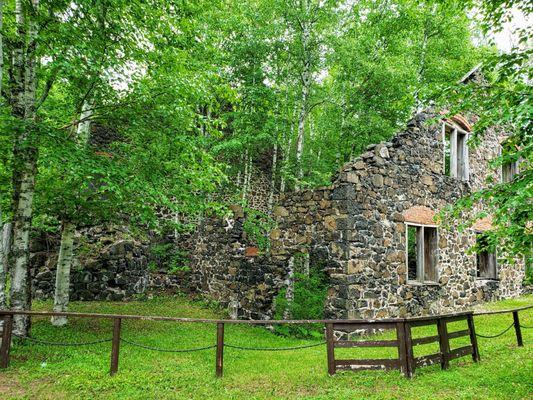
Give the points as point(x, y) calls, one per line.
point(357, 228)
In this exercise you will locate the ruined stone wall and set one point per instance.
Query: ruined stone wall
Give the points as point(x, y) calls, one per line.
point(357, 229)
point(109, 265)
point(228, 269)
point(379, 188)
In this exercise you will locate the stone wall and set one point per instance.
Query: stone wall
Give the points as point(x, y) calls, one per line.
point(109, 265)
point(231, 271)
point(357, 229)
point(384, 184)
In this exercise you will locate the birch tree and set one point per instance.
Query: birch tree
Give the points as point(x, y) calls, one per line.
point(1, 47)
point(25, 157)
point(90, 185)
point(4, 227)
point(68, 230)
point(308, 21)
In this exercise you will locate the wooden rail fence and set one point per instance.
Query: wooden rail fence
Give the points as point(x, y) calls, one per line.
point(404, 342)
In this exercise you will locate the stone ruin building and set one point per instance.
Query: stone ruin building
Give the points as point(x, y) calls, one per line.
point(374, 231)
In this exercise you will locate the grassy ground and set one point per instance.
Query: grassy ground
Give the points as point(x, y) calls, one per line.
point(45, 372)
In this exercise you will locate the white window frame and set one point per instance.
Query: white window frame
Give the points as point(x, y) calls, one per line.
point(420, 266)
point(456, 147)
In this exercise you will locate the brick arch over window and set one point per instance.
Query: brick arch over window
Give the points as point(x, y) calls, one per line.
point(483, 224)
point(420, 215)
point(460, 121)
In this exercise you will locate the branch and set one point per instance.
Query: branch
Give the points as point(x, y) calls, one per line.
point(47, 87)
point(110, 106)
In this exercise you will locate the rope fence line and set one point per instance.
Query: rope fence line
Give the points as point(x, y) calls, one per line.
point(153, 348)
point(495, 336)
point(143, 346)
point(404, 342)
point(64, 344)
point(305, 346)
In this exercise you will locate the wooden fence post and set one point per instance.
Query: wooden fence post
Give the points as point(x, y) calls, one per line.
point(444, 343)
point(330, 343)
point(473, 338)
point(402, 348)
point(220, 349)
point(5, 348)
point(517, 329)
point(409, 356)
point(115, 349)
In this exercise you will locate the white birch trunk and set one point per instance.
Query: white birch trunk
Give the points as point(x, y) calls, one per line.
point(239, 172)
point(249, 177)
point(64, 263)
point(5, 244)
point(306, 86)
point(17, 90)
point(285, 167)
point(273, 177)
point(289, 294)
point(286, 160)
point(245, 183)
point(66, 249)
point(301, 125)
point(420, 74)
point(20, 291)
point(1, 46)
point(84, 127)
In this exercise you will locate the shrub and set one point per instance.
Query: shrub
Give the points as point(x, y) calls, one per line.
point(169, 257)
point(257, 226)
point(310, 293)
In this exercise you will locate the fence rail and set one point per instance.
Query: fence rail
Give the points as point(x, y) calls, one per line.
point(406, 362)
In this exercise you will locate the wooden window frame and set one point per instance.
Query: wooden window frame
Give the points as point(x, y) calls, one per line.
point(495, 255)
point(513, 167)
point(420, 270)
point(459, 154)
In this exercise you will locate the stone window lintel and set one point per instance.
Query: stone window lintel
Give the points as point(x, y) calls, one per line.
point(482, 279)
point(425, 283)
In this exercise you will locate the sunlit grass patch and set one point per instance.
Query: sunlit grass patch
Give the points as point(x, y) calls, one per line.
point(40, 371)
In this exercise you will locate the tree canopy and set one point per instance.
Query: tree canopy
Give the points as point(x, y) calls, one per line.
point(112, 110)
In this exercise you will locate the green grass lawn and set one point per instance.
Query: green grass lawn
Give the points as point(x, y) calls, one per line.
point(45, 372)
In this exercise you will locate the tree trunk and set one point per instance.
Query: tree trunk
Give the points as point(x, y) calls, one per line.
point(20, 292)
point(273, 177)
point(1, 47)
point(285, 166)
point(17, 85)
point(423, 53)
point(83, 131)
point(289, 284)
point(25, 167)
point(66, 249)
point(64, 263)
point(306, 86)
point(301, 125)
point(247, 175)
point(5, 244)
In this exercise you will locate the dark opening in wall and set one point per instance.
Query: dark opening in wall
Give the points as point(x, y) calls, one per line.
point(456, 161)
point(421, 253)
point(485, 258)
